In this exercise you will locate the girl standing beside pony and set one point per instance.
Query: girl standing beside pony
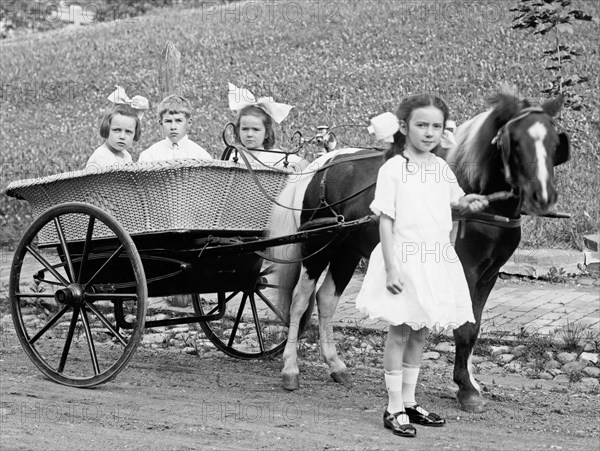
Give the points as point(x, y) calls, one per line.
point(414, 280)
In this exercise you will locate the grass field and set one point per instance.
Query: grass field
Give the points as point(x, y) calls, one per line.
point(337, 62)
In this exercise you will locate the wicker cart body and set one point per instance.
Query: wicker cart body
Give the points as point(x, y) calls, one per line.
point(103, 241)
point(171, 210)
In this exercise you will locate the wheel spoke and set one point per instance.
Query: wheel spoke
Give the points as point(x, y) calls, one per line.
point(39, 276)
point(47, 265)
point(268, 285)
point(272, 307)
point(227, 299)
point(237, 320)
point(63, 243)
point(268, 270)
point(107, 324)
point(114, 255)
point(231, 296)
point(69, 339)
point(49, 282)
point(90, 341)
point(257, 323)
point(86, 247)
point(51, 323)
point(212, 311)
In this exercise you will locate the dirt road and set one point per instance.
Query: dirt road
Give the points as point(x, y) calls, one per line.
point(168, 400)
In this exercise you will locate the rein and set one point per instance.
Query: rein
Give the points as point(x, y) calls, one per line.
point(242, 153)
point(489, 219)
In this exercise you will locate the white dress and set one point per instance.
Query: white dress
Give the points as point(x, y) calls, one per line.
point(103, 157)
point(435, 293)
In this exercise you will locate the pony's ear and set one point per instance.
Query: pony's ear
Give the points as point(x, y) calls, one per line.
point(563, 150)
point(553, 106)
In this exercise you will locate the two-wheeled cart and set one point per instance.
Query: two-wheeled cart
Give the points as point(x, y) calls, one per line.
point(104, 241)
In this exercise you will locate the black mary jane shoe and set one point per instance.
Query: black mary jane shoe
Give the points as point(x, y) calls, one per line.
point(431, 419)
point(390, 421)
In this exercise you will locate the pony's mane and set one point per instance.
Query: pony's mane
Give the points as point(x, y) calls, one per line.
point(472, 158)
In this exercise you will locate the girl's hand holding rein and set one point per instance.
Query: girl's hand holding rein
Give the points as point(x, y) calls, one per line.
point(472, 203)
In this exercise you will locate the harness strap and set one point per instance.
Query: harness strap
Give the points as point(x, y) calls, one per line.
point(323, 198)
point(506, 224)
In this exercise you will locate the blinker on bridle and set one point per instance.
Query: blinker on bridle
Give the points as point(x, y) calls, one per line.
point(502, 139)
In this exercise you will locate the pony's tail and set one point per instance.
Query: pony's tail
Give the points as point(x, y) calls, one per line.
point(282, 223)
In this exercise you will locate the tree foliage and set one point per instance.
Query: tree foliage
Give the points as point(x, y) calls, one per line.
point(555, 18)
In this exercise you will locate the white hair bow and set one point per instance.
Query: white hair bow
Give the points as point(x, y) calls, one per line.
point(241, 97)
point(384, 126)
point(448, 141)
point(137, 102)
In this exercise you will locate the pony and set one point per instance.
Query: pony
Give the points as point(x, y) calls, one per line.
point(513, 147)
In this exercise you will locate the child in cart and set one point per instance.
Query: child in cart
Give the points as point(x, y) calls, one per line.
point(175, 118)
point(120, 127)
point(254, 127)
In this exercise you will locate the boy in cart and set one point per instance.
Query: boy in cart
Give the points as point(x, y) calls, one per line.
point(175, 118)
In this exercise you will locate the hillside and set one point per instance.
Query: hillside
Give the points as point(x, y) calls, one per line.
point(336, 62)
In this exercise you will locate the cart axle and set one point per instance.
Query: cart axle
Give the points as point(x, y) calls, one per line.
point(73, 295)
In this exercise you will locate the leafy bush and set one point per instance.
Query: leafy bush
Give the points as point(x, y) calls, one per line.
point(556, 17)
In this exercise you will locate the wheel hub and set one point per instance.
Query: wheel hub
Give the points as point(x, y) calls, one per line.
point(71, 295)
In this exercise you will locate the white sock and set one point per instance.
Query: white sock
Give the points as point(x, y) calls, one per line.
point(393, 384)
point(409, 385)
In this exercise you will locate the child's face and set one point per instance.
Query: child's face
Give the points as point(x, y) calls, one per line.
point(175, 126)
point(121, 132)
point(424, 130)
point(252, 131)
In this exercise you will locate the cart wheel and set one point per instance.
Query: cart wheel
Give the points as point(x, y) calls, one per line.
point(253, 326)
point(63, 316)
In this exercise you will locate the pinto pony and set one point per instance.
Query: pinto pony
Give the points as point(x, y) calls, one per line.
point(512, 147)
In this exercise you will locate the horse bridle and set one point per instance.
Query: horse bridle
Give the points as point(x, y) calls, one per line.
point(502, 139)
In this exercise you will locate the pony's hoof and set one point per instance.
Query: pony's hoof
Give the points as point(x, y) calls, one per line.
point(341, 377)
point(472, 404)
point(291, 382)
